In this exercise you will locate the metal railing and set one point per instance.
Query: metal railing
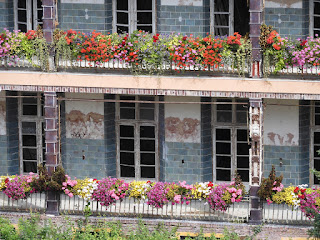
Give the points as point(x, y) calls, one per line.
point(196, 210)
point(36, 202)
point(284, 214)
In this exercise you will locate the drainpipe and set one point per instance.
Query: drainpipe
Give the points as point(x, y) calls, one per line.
point(256, 158)
point(255, 9)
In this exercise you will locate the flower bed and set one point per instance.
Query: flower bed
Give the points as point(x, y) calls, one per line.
point(109, 190)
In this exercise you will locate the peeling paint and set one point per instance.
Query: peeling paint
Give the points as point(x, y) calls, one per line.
point(282, 140)
point(182, 3)
point(283, 4)
point(187, 128)
point(84, 126)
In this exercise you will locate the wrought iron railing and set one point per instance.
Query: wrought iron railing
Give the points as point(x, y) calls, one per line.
point(196, 210)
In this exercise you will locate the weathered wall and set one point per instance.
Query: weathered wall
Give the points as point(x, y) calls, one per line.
point(183, 16)
point(281, 139)
point(84, 154)
point(182, 157)
point(80, 15)
point(6, 14)
point(289, 17)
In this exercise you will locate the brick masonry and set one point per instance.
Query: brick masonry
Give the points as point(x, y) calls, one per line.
point(184, 19)
point(175, 170)
point(294, 21)
point(73, 16)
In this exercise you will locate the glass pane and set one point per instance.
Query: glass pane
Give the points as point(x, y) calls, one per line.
point(32, 98)
point(241, 107)
point(316, 137)
point(122, 18)
point(22, 16)
point(127, 158)
point(224, 116)
point(122, 29)
point(127, 144)
point(146, 114)
point(144, 4)
point(223, 161)
point(241, 117)
point(144, 17)
point(122, 4)
point(39, 3)
point(148, 172)
point(29, 154)
point(242, 162)
point(147, 159)
point(127, 104)
point(242, 135)
point(224, 106)
point(29, 140)
point(317, 109)
point(243, 149)
point(29, 167)
point(221, 20)
point(40, 14)
point(22, 27)
point(223, 134)
point(244, 174)
point(127, 113)
point(30, 110)
point(221, 5)
point(126, 131)
point(317, 22)
point(317, 119)
point(223, 175)
point(223, 148)
point(147, 145)
point(147, 132)
point(22, 3)
point(145, 28)
point(317, 167)
point(221, 31)
point(29, 127)
point(127, 171)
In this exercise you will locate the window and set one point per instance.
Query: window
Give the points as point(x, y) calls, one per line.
point(315, 139)
point(230, 134)
point(315, 17)
point(229, 16)
point(27, 14)
point(130, 15)
point(137, 144)
point(31, 132)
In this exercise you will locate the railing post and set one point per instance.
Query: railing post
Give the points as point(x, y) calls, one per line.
point(52, 147)
point(49, 23)
point(256, 158)
point(255, 10)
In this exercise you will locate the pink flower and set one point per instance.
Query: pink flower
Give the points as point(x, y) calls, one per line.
point(177, 198)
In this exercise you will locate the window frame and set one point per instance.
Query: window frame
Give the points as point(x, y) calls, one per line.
point(137, 123)
point(314, 128)
point(132, 16)
point(230, 13)
point(32, 15)
point(311, 17)
point(40, 130)
point(233, 126)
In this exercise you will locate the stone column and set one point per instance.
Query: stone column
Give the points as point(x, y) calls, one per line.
point(256, 158)
point(49, 15)
point(52, 147)
point(255, 10)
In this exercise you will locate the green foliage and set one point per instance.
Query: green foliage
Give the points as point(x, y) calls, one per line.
point(315, 231)
point(7, 231)
point(265, 190)
point(58, 177)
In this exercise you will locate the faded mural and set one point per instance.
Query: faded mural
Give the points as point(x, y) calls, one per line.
point(281, 122)
point(182, 121)
point(84, 119)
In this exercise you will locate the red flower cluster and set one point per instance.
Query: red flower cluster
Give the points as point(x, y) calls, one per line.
point(300, 192)
point(70, 36)
point(31, 34)
point(156, 37)
point(235, 39)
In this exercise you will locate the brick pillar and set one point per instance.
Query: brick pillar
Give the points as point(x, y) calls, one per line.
point(49, 15)
point(52, 147)
point(256, 158)
point(255, 10)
